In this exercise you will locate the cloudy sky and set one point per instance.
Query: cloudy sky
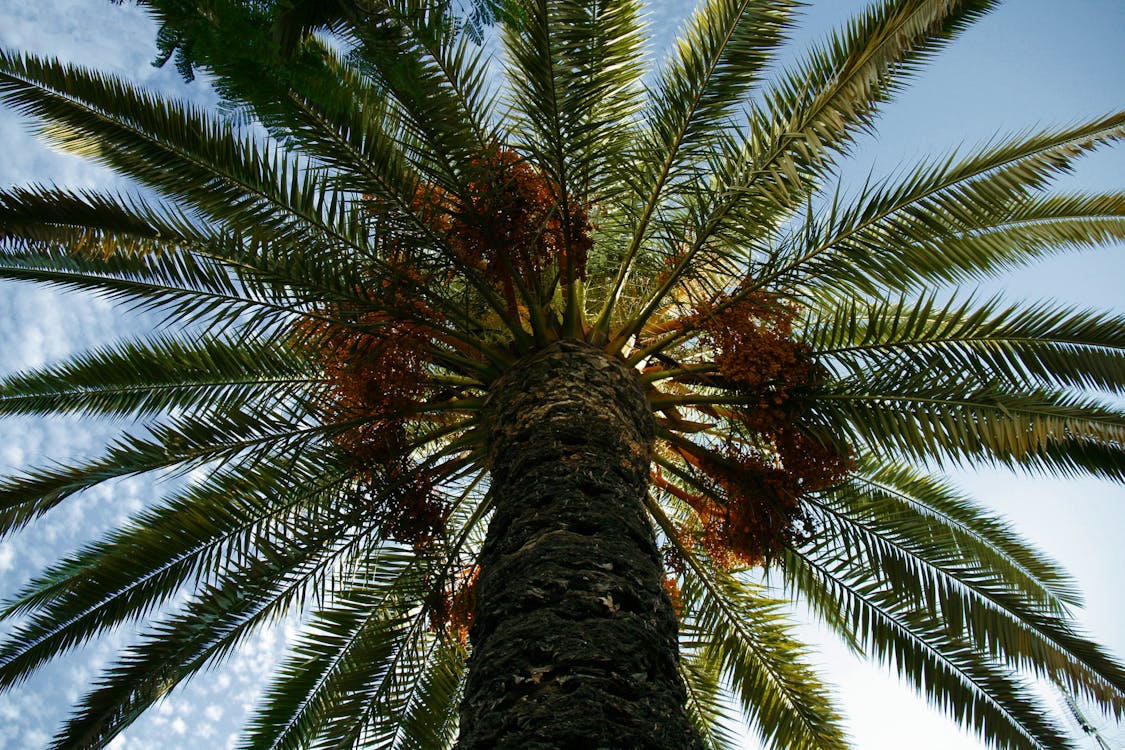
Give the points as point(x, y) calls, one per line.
point(1033, 62)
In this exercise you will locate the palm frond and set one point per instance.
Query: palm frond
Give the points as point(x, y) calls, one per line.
point(176, 444)
point(811, 114)
point(37, 213)
point(957, 679)
point(203, 632)
point(142, 378)
point(1053, 345)
point(430, 722)
point(748, 635)
point(720, 56)
point(980, 534)
point(959, 219)
point(348, 269)
point(216, 527)
point(915, 556)
point(174, 149)
point(979, 422)
point(815, 110)
point(343, 647)
point(708, 703)
point(574, 79)
point(438, 80)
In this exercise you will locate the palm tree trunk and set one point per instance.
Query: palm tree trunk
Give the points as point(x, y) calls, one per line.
point(574, 637)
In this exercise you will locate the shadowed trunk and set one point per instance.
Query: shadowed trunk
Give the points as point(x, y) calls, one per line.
point(574, 637)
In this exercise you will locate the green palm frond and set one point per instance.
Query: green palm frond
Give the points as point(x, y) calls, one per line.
point(1037, 430)
point(306, 690)
point(262, 583)
point(973, 530)
point(155, 376)
point(956, 678)
point(960, 219)
point(36, 214)
point(720, 56)
point(708, 703)
point(372, 666)
point(126, 249)
point(402, 694)
point(214, 523)
point(814, 111)
point(1056, 346)
point(169, 284)
point(176, 443)
point(436, 75)
point(1000, 619)
point(418, 80)
point(747, 635)
point(136, 571)
point(203, 632)
point(574, 88)
point(574, 81)
point(355, 656)
point(378, 699)
point(174, 149)
point(810, 114)
point(431, 720)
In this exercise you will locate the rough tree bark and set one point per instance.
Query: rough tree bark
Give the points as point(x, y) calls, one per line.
point(574, 636)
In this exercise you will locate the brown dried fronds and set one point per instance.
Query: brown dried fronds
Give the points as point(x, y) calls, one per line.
point(760, 515)
point(379, 371)
point(395, 489)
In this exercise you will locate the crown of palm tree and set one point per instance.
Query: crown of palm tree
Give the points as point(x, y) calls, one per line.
point(347, 282)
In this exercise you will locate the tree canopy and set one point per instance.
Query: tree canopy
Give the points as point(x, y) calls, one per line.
point(349, 267)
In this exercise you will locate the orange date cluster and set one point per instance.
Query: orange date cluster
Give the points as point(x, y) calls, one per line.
point(510, 226)
point(750, 506)
point(376, 370)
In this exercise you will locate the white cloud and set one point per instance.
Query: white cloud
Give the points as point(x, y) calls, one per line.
point(35, 738)
point(9, 711)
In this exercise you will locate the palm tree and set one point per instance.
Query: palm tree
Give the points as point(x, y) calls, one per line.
point(549, 374)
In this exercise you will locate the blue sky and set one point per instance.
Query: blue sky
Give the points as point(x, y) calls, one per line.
point(1031, 63)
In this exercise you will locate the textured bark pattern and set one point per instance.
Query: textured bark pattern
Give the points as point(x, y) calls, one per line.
point(574, 638)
